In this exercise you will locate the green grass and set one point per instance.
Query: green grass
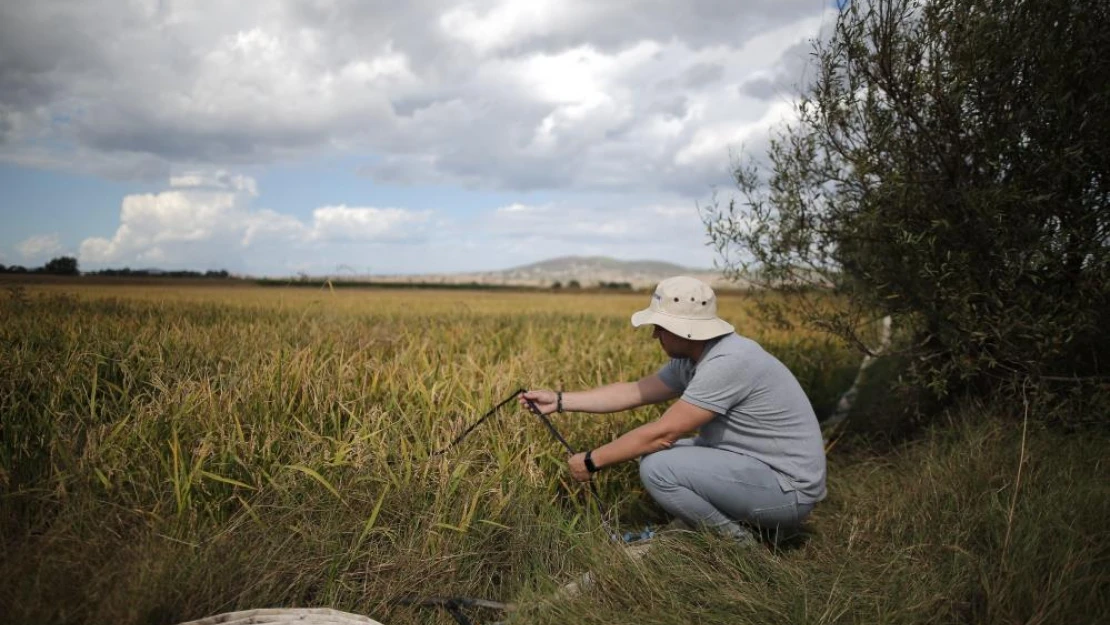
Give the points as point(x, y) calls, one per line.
point(167, 454)
point(923, 535)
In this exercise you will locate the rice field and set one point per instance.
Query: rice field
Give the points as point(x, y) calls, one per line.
point(169, 453)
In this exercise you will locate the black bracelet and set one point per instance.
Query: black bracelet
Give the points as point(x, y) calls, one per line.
point(558, 401)
point(590, 466)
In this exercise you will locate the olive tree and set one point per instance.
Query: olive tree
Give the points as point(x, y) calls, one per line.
point(62, 265)
point(948, 166)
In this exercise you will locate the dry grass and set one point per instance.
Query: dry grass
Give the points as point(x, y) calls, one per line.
point(171, 453)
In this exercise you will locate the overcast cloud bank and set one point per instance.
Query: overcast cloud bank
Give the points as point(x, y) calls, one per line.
point(556, 95)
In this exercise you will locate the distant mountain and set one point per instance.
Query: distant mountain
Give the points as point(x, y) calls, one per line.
point(587, 271)
point(572, 264)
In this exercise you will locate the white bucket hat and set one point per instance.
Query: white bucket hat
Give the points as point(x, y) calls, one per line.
point(686, 307)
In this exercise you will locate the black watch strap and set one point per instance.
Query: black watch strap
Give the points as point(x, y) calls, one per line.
point(590, 466)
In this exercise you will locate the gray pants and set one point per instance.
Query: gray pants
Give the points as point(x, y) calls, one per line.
point(718, 489)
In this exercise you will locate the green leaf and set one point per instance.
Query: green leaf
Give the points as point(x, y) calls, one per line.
point(225, 480)
point(316, 476)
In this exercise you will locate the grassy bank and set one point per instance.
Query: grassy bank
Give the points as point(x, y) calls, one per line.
point(167, 454)
point(940, 532)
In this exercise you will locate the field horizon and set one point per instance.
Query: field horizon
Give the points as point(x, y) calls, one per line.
point(588, 272)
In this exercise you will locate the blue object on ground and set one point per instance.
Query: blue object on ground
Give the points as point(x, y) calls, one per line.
point(634, 537)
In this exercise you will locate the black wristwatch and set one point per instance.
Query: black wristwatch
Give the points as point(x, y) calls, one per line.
point(558, 401)
point(590, 466)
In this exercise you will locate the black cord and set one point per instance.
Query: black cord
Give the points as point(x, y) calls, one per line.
point(550, 428)
point(454, 605)
point(470, 429)
point(593, 485)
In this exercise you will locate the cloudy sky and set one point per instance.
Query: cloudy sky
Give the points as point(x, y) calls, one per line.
point(364, 136)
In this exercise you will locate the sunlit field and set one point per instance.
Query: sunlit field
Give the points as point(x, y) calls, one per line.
point(169, 452)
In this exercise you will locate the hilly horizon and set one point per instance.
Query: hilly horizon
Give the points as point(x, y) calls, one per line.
point(584, 270)
point(571, 263)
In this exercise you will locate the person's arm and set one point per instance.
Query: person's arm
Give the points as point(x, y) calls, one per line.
point(680, 418)
point(609, 398)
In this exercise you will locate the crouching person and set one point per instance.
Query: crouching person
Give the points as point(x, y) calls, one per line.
point(758, 459)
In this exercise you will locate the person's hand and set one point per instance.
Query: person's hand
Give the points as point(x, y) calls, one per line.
point(546, 401)
point(577, 465)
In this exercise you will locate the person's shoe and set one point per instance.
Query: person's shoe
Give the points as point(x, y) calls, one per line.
point(745, 538)
point(643, 535)
point(738, 533)
point(629, 538)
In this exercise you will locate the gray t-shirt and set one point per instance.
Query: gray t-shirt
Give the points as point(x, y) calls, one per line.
point(762, 411)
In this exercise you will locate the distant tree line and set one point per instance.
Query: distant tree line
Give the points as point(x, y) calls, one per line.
point(620, 286)
point(574, 284)
point(158, 273)
point(61, 266)
point(67, 266)
point(386, 284)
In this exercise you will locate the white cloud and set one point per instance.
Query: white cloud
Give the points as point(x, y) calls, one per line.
point(342, 223)
point(710, 145)
point(217, 180)
point(521, 233)
point(267, 225)
point(511, 94)
point(519, 208)
point(208, 218)
point(40, 247)
point(177, 219)
point(200, 223)
point(508, 23)
point(577, 98)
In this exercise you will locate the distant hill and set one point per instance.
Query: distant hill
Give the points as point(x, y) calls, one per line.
point(570, 264)
point(587, 271)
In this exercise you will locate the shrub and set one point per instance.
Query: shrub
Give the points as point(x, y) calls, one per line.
point(948, 167)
